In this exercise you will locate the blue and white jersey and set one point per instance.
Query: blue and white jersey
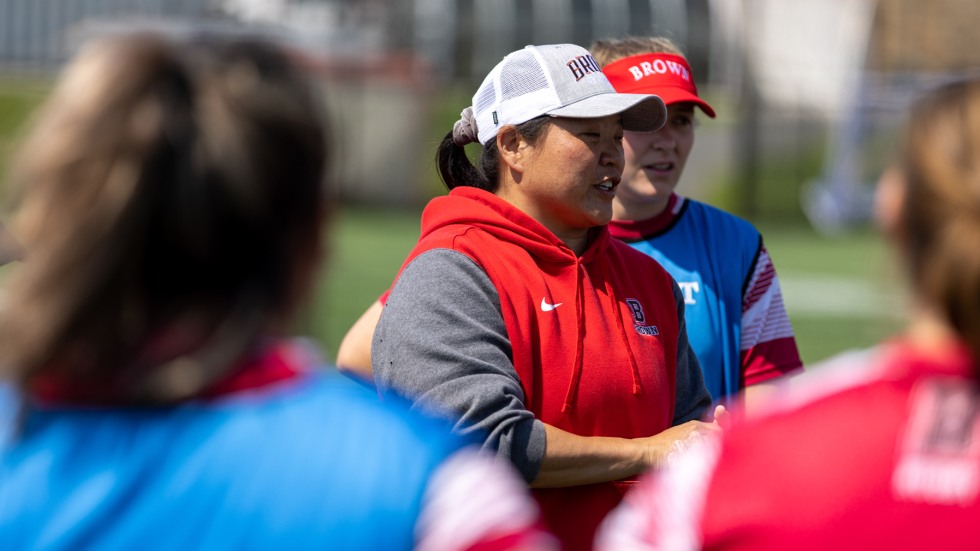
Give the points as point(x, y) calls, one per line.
point(314, 461)
point(734, 312)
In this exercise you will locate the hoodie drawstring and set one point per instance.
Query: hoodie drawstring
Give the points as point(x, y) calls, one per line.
point(634, 368)
point(579, 341)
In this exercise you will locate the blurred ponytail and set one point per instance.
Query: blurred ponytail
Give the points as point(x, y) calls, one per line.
point(952, 279)
point(940, 219)
point(171, 205)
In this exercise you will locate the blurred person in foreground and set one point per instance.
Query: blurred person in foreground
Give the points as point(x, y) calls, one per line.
point(734, 309)
point(516, 314)
point(171, 197)
point(878, 449)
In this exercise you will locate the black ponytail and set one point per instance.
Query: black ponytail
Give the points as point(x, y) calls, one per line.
point(455, 167)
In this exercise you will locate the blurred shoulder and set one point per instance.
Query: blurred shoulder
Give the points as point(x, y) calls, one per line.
point(849, 370)
point(347, 405)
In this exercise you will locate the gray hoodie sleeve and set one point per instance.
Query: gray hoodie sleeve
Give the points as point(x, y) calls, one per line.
point(441, 342)
point(693, 398)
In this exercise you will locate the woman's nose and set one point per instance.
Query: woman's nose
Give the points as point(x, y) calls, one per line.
point(613, 154)
point(663, 139)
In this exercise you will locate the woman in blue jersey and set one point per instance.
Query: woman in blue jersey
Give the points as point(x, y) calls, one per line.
point(734, 309)
point(171, 199)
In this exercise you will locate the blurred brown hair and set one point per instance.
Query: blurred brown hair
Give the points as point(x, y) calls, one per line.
point(608, 50)
point(170, 197)
point(939, 224)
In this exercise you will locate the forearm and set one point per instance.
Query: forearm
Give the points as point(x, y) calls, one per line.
point(573, 460)
point(354, 353)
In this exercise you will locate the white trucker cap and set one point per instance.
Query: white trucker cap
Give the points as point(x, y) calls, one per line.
point(560, 80)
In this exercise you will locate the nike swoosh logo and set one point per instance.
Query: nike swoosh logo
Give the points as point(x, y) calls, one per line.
point(545, 307)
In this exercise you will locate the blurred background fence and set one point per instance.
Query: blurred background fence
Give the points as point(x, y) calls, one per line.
point(808, 94)
point(808, 82)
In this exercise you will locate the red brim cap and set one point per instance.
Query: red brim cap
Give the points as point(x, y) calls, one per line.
point(666, 75)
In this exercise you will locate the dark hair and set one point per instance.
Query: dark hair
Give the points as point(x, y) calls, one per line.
point(171, 203)
point(940, 218)
point(455, 167)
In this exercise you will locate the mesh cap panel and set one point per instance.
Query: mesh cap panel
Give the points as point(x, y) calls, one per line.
point(525, 77)
point(485, 97)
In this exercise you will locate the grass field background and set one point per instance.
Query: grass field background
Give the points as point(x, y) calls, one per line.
point(841, 292)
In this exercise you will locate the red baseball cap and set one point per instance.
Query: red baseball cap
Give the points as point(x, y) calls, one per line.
point(666, 75)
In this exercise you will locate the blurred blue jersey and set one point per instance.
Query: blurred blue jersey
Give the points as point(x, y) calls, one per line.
point(311, 462)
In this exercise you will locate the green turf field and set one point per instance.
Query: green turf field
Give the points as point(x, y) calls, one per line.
point(840, 292)
point(366, 249)
point(18, 99)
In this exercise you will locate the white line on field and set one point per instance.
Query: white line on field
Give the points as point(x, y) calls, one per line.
point(823, 295)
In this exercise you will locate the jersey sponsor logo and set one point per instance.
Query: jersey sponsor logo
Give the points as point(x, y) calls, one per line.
point(640, 319)
point(939, 459)
point(689, 289)
point(547, 306)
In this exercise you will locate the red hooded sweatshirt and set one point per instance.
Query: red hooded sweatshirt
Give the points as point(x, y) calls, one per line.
point(594, 338)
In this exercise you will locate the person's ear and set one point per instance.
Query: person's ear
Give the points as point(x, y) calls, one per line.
point(512, 147)
point(889, 202)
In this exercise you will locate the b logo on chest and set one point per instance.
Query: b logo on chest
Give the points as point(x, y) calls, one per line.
point(640, 319)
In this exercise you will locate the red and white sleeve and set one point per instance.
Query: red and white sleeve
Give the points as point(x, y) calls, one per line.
point(768, 347)
point(476, 502)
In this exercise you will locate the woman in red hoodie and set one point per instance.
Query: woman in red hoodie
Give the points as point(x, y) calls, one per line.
point(517, 316)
